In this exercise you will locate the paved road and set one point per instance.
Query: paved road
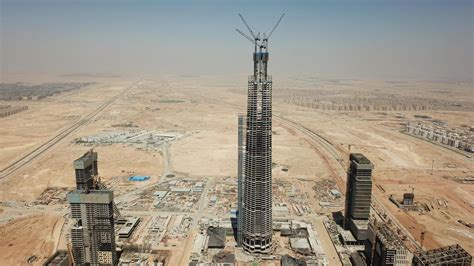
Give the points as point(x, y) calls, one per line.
point(27, 159)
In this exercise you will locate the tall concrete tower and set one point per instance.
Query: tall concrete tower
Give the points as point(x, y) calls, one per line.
point(92, 210)
point(257, 186)
point(358, 195)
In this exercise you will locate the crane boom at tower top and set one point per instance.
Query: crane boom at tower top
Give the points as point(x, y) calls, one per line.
point(262, 43)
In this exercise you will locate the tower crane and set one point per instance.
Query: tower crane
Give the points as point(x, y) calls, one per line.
point(259, 40)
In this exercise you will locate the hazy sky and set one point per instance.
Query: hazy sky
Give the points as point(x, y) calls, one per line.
point(348, 39)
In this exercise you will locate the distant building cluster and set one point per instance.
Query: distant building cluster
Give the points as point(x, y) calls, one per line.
point(7, 110)
point(140, 139)
point(354, 107)
point(26, 92)
point(440, 134)
point(362, 101)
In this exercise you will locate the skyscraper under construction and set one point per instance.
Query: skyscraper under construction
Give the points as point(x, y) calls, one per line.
point(256, 216)
point(92, 210)
point(358, 195)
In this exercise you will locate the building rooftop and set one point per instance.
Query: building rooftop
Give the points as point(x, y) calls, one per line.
point(281, 209)
point(160, 193)
point(287, 260)
point(216, 237)
point(300, 243)
point(129, 226)
point(359, 158)
point(86, 160)
point(361, 224)
point(347, 236)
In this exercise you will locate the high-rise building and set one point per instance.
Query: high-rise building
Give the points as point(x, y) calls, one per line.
point(257, 227)
point(85, 170)
point(257, 186)
point(92, 209)
point(358, 195)
point(240, 178)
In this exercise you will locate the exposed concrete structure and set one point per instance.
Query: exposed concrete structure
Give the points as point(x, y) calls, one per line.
point(92, 208)
point(216, 237)
point(93, 234)
point(257, 199)
point(450, 255)
point(86, 168)
point(60, 258)
point(300, 245)
point(357, 259)
point(385, 248)
point(240, 178)
point(358, 195)
point(287, 260)
point(127, 229)
point(408, 199)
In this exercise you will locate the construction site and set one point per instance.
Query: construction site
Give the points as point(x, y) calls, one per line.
point(173, 173)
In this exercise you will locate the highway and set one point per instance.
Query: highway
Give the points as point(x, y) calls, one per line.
point(27, 159)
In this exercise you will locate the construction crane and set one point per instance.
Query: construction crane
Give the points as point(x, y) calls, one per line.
point(260, 40)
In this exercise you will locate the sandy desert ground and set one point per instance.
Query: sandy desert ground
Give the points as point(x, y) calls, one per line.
point(204, 110)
